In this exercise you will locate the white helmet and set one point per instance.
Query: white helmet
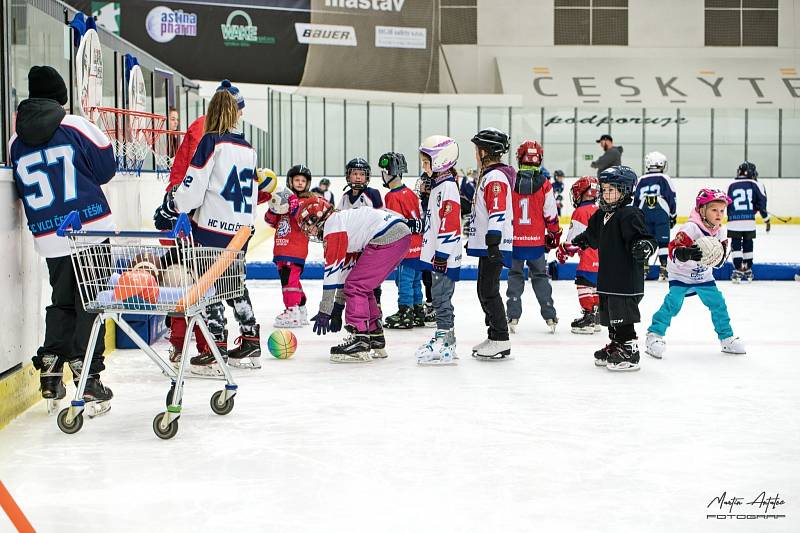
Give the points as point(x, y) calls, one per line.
point(655, 161)
point(442, 150)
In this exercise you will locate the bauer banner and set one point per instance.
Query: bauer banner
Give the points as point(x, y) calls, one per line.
point(701, 82)
point(363, 44)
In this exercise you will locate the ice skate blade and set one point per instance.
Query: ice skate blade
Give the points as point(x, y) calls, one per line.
point(380, 353)
point(726, 352)
point(206, 370)
point(248, 363)
point(583, 331)
point(95, 408)
point(505, 355)
point(600, 363)
point(653, 355)
point(438, 362)
point(623, 367)
point(52, 405)
point(286, 325)
point(345, 359)
point(430, 324)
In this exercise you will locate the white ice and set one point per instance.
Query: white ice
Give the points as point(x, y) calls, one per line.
point(544, 442)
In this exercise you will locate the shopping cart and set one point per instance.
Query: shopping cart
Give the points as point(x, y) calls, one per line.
point(117, 273)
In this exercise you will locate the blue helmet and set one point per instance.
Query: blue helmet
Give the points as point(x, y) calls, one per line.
point(748, 170)
point(621, 178)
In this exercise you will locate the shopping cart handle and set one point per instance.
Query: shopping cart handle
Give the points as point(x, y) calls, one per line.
point(72, 226)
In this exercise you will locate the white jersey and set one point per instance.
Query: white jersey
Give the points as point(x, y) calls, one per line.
point(493, 212)
point(219, 187)
point(691, 272)
point(442, 233)
point(369, 197)
point(346, 234)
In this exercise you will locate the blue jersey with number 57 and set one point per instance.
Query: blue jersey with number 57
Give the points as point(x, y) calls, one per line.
point(748, 197)
point(219, 188)
point(64, 174)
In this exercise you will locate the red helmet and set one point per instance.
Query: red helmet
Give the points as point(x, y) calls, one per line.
point(312, 213)
point(530, 153)
point(585, 185)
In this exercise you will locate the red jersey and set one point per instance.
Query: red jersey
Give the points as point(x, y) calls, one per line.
point(580, 221)
point(186, 151)
point(533, 215)
point(291, 244)
point(405, 203)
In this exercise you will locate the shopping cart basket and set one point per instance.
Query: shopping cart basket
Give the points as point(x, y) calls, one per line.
point(118, 273)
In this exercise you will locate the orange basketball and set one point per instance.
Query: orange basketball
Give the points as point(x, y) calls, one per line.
point(133, 283)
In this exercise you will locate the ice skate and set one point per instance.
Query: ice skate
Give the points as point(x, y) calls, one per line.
point(655, 345)
point(247, 353)
point(355, 348)
point(402, 319)
point(304, 315)
point(174, 356)
point(733, 345)
point(747, 276)
point(601, 355)
point(512, 325)
point(206, 365)
point(552, 323)
point(419, 316)
point(440, 350)
point(97, 396)
point(377, 343)
point(584, 325)
point(430, 316)
point(51, 381)
point(290, 318)
point(736, 276)
point(624, 357)
point(662, 273)
point(479, 346)
point(494, 351)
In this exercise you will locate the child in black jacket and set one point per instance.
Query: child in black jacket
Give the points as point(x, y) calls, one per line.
point(619, 233)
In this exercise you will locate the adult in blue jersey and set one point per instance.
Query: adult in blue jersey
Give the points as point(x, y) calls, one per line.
point(656, 198)
point(59, 162)
point(748, 197)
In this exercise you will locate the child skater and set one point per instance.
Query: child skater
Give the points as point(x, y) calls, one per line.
point(362, 247)
point(584, 199)
point(405, 202)
point(618, 232)
point(290, 248)
point(748, 197)
point(219, 189)
point(358, 193)
point(687, 276)
point(441, 245)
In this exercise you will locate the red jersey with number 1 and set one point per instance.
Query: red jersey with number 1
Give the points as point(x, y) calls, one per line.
point(533, 214)
point(405, 203)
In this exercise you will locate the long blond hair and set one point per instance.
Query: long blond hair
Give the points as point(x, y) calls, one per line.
point(222, 114)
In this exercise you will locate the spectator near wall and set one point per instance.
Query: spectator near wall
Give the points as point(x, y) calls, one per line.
point(611, 157)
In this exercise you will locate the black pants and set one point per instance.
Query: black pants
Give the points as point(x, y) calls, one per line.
point(491, 301)
point(67, 325)
point(427, 281)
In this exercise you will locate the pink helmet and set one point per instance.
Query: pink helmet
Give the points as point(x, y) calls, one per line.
point(706, 196)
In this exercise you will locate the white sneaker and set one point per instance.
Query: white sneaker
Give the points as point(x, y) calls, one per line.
point(494, 351)
point(304, 315)
point(512, 325)
point(290, 318)
point(440, 350)
point(733, 345)
point(655, 345)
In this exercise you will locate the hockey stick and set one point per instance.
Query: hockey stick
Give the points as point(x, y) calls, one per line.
point(784, 220)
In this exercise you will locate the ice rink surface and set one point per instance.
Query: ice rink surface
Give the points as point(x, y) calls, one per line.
point(545, 442)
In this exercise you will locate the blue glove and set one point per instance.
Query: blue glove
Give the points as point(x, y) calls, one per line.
point(336, 318)
point(165, 216)
point(322, 323)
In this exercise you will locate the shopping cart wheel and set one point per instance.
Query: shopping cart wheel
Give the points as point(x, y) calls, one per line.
point(169, 396)
point(218, 407)
point(168, 433)
point(69, 428)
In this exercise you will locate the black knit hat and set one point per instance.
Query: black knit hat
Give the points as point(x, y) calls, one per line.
point(46, 82)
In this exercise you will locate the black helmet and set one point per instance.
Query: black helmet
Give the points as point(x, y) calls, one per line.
point(325, 181)
point(748, 169)
point(494, 141)
point(298, 170)
point(559, 173)
point(392, 164)
point(624, 180)
point(359, 163)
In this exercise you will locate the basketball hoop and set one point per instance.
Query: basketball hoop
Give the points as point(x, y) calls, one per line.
point(134, 134)
point(164, 149)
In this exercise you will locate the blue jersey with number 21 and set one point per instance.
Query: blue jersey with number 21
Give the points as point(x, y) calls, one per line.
point(64, 175)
